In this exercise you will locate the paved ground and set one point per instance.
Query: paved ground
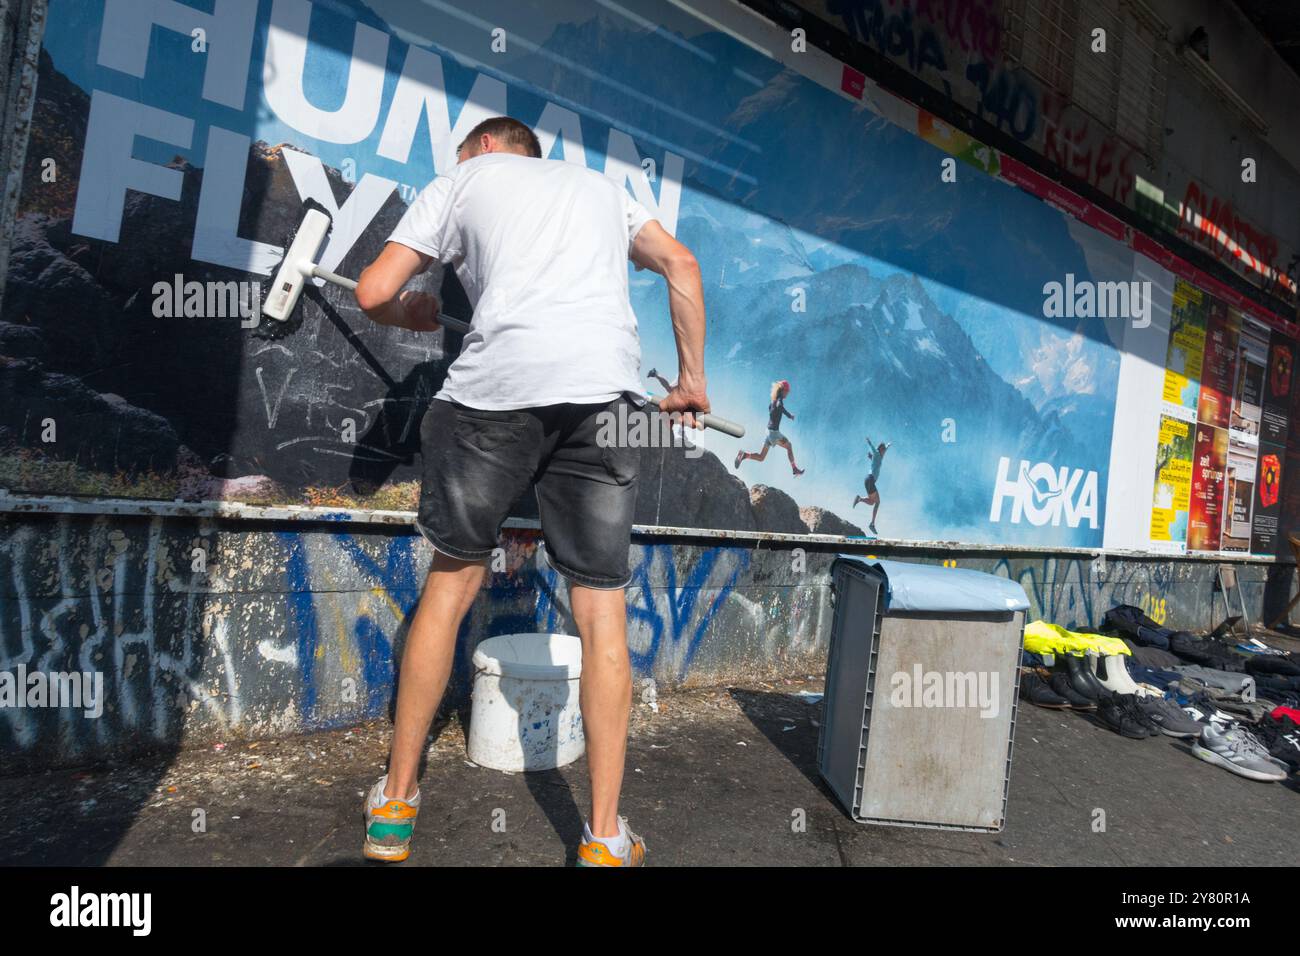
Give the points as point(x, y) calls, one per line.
point(713, 778)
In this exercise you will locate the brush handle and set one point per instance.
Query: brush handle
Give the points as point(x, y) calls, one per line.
point(706, 420)
point(334, 277)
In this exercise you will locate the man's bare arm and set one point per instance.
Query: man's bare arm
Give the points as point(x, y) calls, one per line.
point(380, 295)
point(656, 250)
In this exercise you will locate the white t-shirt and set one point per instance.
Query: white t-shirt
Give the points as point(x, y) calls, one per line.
point(541, 248)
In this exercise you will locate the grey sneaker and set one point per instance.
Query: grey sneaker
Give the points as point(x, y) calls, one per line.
point(1238, 751)
point(1169, 717)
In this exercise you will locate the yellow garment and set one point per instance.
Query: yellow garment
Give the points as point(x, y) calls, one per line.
point(1044, 638)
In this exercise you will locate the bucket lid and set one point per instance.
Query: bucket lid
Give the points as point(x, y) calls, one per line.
point(531, 656)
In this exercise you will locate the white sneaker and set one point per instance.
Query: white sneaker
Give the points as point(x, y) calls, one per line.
point(1238, 751)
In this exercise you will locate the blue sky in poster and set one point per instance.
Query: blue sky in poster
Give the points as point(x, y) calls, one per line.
point(924, 299)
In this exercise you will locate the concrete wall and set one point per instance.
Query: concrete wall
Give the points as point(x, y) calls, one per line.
point(1201, 172)
point(960, 49)
point(296, 626)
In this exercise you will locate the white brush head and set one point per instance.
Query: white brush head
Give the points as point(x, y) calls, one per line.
point(293, 274)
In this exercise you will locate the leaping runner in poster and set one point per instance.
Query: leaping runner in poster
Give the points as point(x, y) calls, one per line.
point(774, 437)
point(654, 373)
point(876, 455)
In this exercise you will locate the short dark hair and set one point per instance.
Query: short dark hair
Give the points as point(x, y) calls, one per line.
point(509, 130)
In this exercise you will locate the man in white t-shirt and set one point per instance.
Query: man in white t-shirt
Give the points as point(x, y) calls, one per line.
point(541, 247)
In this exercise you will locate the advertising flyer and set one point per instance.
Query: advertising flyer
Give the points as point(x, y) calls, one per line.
point(1264, 537)
point(1248, 394)
point(1239, 501)
point(1277, 389)
point(1219, 365)
point(1173, 488)
point(1205, 523)
point(1186, 346)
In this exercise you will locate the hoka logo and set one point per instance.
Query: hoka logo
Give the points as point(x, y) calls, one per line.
point(1045, 495)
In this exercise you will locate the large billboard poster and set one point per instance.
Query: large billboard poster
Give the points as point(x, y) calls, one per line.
point(973, 328)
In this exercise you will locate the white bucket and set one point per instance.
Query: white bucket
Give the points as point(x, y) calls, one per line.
point(525, 712)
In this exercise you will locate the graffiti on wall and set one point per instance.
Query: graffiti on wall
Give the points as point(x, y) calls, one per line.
point(96, 599)
point(958, 47)
point(1077, 592)
point(1213, 222)
point(1084, 148)
point(279, 632)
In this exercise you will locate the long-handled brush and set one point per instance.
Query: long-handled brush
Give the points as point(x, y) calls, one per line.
point(299, 267)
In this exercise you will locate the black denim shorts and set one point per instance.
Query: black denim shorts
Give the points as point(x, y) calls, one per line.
point(478, 463)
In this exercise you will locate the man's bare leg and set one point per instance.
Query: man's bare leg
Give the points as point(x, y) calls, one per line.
point(605, 694)
point(426, 664)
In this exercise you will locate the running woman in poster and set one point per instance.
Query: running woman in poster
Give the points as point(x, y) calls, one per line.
point(774, 437)
point(875, 454)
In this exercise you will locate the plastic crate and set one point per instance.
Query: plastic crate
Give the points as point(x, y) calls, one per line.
point(895, 758)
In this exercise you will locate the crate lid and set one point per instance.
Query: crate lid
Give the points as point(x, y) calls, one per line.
point(930, 587)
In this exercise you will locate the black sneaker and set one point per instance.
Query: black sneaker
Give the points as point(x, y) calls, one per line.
point(1282, 738)
point(1060, 682)
point(1134, 705)
point(1169, 717)
point(1035, 690)
point(1120, 716)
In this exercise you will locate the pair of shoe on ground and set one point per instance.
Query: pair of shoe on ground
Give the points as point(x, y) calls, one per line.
point(1078, 683)
point(1130, 714)
point(1237, 750)
point(1219, 739)
point(390, 825)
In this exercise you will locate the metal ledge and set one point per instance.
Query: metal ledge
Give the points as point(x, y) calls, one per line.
point(237, 511)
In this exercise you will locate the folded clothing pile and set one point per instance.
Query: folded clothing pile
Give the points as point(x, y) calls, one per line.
point(1129, 621)
point(1151, 656)
point(1208, 652)
point(1276, 677)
